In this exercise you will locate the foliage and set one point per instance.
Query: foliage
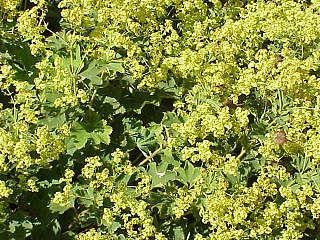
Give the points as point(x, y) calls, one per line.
point(166, 119)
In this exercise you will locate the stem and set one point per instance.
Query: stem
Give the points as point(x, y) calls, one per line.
point(152, 155)
point(91, 103)
point(71, 61)
point(242, 153)
point(92, 97)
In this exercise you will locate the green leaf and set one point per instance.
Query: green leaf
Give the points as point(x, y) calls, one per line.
point(56, 227)
point(138, 100)
point(70, 145)
point(92, 72)
point(55, 207)
point(316, 179)
point(81, 138)
point(103, 133)
point(95, 80)
point(78, 62)
point(80, 135)
point(51, 96)
point(179, 233)
point(85, 201)
point(116, 67)
point(98, 199)
point(166, 155)
point(57, 41)
point(90, 192)
point(188, 174)
point(112, 101)
point(160, 174)
point(87, 197)
point(114, 226)
point(53, 122)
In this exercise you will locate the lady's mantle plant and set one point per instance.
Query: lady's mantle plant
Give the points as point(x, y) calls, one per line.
point(163, 119)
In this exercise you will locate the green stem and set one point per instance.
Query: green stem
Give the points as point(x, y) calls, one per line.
point(242, 153)
point(152, 155)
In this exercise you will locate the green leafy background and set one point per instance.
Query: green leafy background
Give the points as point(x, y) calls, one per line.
point(166, 119)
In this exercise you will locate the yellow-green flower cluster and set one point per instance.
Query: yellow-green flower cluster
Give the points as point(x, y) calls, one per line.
point(226, 212)
point(9, 9)
point(186, 198)
point(138, 222)
point(89, 169)
point(57, 76)
point(63, 198)
point(132, 213)
point(4, 191)
point(18, 149)
point(29, 184)
point(47, 146)
point(92, 234)
point(198, 123)
point(31, 24)
point(6, 76)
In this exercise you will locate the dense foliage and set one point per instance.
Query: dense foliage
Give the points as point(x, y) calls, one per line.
point(167, 119)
